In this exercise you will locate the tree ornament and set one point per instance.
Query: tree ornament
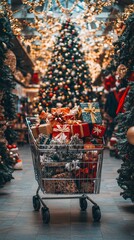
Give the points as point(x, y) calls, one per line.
point(73, 73)
point(75, 86)
point(64, 49)
point(66, 86)
point(56, 71)
point(50, 76)
point(40, 108)
point(130, 135)
point(66, 54)
point(60, 84)
point(56, 88)
point(68, 81)
point(50, 94)
point(64, 67)
point(73, 58)
point(60, 73)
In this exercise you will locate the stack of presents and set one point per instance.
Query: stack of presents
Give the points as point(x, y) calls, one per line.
point(75, 138)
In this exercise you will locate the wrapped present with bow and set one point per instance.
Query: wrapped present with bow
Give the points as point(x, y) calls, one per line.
point(69, 117)
point(91, 112)
point(98, 131)
point(61, 133)
point(56, 118)
point(41, 128)
point(80, 128)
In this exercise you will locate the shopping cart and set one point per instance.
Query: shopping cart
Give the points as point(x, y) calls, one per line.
point(65, 172)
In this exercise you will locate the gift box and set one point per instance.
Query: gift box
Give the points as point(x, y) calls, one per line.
point(61, 133)
point(82, 129)
point(98, 131)
point(61, 183)
point(42, 128)
point(91, 112)
point(63, 111)
point(69, 117)
point(56, 118)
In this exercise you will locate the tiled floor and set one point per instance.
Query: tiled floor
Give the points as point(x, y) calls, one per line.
point(18, 221)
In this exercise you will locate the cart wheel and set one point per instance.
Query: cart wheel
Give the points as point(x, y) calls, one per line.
point(83, 204)
point(36, 203)
point(45, 215)
point(96, 213)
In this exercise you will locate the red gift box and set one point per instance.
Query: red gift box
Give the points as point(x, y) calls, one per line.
point(69, 117)
point(98, 130)
point(82, 129)
point(61, 132)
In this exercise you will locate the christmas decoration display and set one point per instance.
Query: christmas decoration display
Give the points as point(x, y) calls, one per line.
point(7, 101)
point(67, 80)
point(65, 169)
point(125, 146)
point(120, 69)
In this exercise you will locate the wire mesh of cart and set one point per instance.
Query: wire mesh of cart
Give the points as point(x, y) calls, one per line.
point(65, 171)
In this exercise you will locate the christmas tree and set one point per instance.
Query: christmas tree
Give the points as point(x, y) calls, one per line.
point(125, 146)
point(119, 74)
point(67, 79)
point(7, 101)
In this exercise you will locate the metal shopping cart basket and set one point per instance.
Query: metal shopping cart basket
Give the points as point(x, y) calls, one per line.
point(65, 172)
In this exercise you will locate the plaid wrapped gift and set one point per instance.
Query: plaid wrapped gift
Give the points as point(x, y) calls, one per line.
point(61, 133)
point(98, 130)
point(41, 128)
point(91, 112)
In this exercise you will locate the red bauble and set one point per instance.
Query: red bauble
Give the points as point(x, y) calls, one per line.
point(69, 46)
point(73, 32)
point(66, 86)
point(80, 82)
point(56, 88)
point(14, 146)
point(73, 59)
point(9, 146)
point(50, 94)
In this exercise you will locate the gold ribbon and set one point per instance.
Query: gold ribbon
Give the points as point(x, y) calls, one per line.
point(92, 110)
point(80, 126)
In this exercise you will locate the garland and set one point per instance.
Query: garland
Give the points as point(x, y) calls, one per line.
point(67, 10)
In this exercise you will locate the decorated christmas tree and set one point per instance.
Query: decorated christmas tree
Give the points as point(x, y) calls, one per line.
point(125, 146)
point(67, 80)
point(118, 75)
point(7, 101)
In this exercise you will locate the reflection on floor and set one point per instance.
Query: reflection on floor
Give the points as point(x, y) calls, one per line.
point(18, 221)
